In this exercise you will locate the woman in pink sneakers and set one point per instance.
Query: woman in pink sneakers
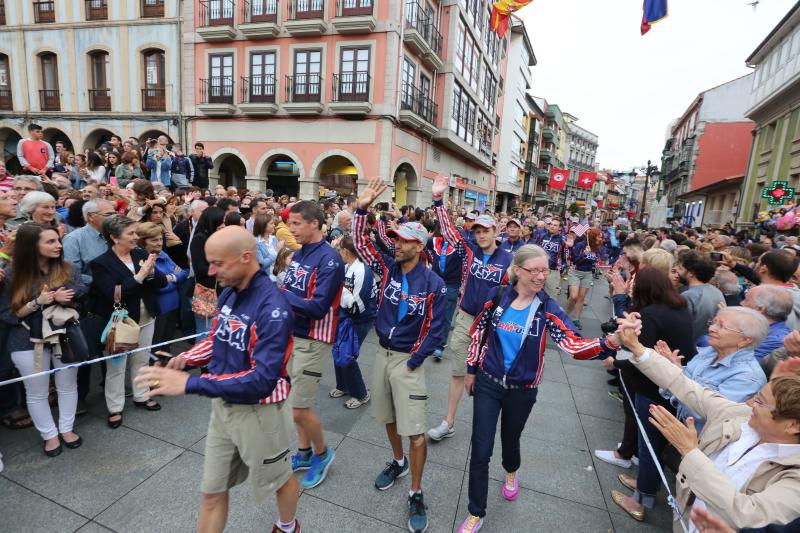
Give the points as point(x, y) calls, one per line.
point(504, 368)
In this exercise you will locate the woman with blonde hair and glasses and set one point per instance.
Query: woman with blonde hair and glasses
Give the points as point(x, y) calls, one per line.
point(505, 366)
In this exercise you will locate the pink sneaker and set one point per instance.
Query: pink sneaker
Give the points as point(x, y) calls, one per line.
point(472, 524)
point(511, 487)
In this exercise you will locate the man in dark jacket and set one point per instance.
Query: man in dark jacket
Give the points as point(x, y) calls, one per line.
point(246, 353)
point(202, 164)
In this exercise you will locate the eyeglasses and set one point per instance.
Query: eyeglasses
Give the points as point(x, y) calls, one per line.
point(758, 400)
point(723, 326)
point(536, 271)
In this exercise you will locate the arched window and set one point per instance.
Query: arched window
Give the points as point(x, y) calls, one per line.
point(153, 93)
point(49, 99)
point(99, 91)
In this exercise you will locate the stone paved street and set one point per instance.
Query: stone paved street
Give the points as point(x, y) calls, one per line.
point(145, 476)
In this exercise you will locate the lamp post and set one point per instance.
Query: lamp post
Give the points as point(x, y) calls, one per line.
point(650, 170)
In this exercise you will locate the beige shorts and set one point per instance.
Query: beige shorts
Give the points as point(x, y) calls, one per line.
point(399, 395)
point(247, 441)
point(578, 278)
point(305, 368)
point(459, 342)
point(553, 283)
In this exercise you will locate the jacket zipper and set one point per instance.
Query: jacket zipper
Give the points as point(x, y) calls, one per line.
point(391, 331)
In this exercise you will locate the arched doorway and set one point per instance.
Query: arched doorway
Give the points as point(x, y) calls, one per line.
point(337, 173)
point(53, 135)
point(405, 185)
point(97, 138)
point(153, 134)
point(231, 171)
point(283, 175)
point(8, 140)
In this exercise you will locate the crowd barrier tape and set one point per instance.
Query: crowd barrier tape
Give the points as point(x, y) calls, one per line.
point(670, 498)
point(99, 359)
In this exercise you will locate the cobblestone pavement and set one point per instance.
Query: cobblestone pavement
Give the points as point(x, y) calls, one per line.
point(145, 476)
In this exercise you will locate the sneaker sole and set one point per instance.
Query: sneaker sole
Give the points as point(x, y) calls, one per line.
point(301, 469)
point(324, 473)
point(412, 530)
point(445, 436)
point(404, 473)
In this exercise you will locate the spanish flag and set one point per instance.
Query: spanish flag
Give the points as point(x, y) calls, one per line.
point(654, 11)
point(501, 12)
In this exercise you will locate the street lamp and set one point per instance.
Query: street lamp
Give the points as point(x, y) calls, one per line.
point(650, 170)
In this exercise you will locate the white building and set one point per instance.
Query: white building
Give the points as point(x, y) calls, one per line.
point(514, 121)
point(84, 69)
point(580, 153)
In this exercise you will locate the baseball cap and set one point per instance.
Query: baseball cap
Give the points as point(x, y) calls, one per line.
point(285, 214)
point(470, 216)
point(515, 221)
point(410, 231)
point(485, 221)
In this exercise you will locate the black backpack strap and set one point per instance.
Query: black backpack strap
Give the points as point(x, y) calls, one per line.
point(490, 327)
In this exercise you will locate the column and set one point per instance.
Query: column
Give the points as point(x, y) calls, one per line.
point(256, 183)
point(213, 179)
point(309, 188)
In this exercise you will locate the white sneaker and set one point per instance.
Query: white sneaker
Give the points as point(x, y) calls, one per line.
point(442, 431)
point(610, 457)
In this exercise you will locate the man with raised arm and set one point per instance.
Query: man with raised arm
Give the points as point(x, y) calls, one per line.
point(410, 324)
point(484, 267)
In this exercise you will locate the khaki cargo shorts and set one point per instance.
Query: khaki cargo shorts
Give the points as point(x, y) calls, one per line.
point(553, 283)
point(399, 395)
point(459, 342)
point(305, 368)
point(247, 441)
point(578, 278)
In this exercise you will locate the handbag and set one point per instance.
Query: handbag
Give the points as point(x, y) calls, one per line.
point(204, 301)
point(345, 347)
point(122, 332)
point(74, 348)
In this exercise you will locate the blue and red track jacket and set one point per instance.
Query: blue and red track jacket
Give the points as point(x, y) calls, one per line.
point(477, 278)
point(512, 247)
point(452, 262)
point(556, 248)
point(581, 256)
point(247, 348)
point(528, 366)
point(313, 286)
point(423, 328)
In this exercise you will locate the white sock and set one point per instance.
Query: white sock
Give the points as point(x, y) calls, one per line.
point(401, 463)
point(411, 493)
point(288, 527)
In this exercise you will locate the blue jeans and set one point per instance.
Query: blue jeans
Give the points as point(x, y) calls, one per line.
point(452, 302)
point(349, 378)
point(648, 482)
point(202, 324)
point(490, 402)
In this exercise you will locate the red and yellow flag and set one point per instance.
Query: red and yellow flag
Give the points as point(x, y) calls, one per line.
point(501, 12)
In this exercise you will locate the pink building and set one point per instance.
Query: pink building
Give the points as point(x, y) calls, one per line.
point(303, 96)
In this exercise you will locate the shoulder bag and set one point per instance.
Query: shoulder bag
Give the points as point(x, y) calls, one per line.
point(204, 300)
point(122, 332)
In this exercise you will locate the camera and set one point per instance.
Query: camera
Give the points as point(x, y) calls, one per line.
point(609, 326)
point(716, 256)
point(382, 206)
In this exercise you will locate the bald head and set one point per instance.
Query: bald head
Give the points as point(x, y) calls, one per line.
point(231, 255)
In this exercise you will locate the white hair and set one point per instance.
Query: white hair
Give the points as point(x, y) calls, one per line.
point(35, 179)
point(669, 245)
point(32, 200)
point(776, 301)
point(750, 322)
point(196, 204)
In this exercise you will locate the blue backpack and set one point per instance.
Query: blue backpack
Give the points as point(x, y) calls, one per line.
point(345, 347)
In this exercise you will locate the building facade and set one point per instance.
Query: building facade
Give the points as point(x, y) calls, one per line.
point(774, 106)
point(580, 154)
point(716, 118)
point(307, 96)
point(87, 69)
point(514, 123)
point(534, 187)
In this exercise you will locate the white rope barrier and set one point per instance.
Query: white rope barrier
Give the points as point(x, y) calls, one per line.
point(104, 358)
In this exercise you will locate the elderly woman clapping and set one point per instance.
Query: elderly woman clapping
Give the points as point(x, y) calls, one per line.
point(745, 465)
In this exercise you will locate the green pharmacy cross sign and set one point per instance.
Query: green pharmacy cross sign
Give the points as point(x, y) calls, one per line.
point(778, 192)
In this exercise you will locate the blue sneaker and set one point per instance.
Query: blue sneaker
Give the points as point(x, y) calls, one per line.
point(437, 354)
point(298, 463)
point(417, 517)
point(319, 469)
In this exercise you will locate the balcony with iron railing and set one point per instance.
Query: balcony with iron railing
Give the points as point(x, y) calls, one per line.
point(422, 36)
point(351, 94)
point(417, 109)
point(49, 100)
point(96, 9)
point(258, 95)
point(354, 16)
point(216, 20)
point(216, 95)
point(259, 18)
point(304, 94)
point(154, 99)
point(6, 102)
point(44, 12)
point(152, 8)
point(306, 18)
point(100, 99)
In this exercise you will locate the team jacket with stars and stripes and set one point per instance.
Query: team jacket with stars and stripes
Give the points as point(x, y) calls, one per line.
point(477, 279)
point(528, 366)
point(423, 328)
point(247, 348)
point(313, 286)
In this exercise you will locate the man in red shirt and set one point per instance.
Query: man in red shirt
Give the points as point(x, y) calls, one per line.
point(35, 155)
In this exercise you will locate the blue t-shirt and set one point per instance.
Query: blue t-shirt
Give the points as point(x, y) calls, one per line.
point(511, 332)
point(486, 258)
point(402, 307)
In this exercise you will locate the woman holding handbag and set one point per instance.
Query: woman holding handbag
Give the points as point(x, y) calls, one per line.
point(204, 299)
point(39, 280)
point(125, 277)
